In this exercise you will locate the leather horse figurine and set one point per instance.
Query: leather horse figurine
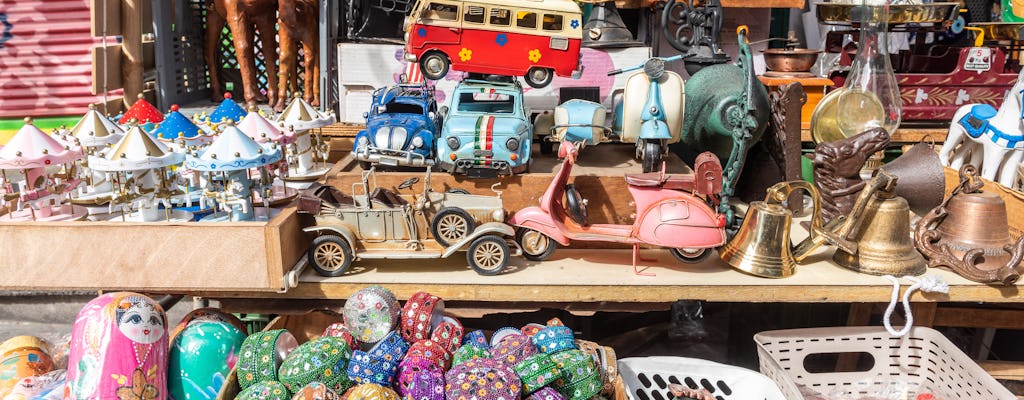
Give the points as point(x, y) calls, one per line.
point(241, 16)
point(299, 22)
point(989, 139)
point(837, 168)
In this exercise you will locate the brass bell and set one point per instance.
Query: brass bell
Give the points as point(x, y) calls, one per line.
point(969, 234)
point(881, 220)
point(883, 241)
point(762, 245)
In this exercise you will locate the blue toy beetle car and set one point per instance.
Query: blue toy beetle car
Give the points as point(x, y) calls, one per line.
point(487, 131)
point(400, 128)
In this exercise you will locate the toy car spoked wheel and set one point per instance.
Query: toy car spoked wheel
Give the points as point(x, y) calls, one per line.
point(330, 255)
point(577, 205)
point(651, 153)
point(451, 225)
point(536, 246)
point(690, 256)
point(488, 255)
point(539, 78)
point(434, 66)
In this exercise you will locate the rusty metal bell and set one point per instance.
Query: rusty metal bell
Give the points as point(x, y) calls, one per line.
point(922, 179)
point(969, 234)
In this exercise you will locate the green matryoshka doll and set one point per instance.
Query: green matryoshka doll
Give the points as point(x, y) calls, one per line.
point(201, 358)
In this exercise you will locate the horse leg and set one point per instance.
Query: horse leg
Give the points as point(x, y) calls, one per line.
point(214, 25)
point(311, 52)
point(1008, 171)
point(243, 35)
point(268, 35)
point(965, 153)
point(993, 158)
point(287, 72)
point(953, 139)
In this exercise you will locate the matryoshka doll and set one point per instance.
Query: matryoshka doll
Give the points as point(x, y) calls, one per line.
point(118, 350)
point(22, 357)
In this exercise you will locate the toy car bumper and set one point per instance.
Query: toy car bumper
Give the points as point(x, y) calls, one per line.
point(410, 57)
point(480, 168)
point(395, 158)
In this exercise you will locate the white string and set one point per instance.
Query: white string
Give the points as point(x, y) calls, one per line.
point(927, 284)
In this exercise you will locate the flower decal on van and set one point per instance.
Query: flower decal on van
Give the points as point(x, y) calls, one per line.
point(465, 54)
point(535, 55)
point(575, 24)
point(502, 39)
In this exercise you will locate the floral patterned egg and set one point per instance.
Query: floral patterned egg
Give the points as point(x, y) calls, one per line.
point(201, 356)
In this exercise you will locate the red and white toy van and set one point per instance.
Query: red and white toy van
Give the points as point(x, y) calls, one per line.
point(535, 39)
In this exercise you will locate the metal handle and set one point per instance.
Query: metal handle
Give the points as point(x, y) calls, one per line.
point(782, 191)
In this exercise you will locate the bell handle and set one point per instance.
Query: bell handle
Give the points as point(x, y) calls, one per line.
point(782, 191)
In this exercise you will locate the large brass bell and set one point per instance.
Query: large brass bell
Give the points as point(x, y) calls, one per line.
point(969, 234)
point(762, 245)
point(913, 182)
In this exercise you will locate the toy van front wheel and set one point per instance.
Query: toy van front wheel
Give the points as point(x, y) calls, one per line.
point(435, 65)
point(330, 255)
point(488, 255)
point(539, 78)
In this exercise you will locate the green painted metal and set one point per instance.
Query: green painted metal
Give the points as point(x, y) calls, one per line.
point(727, 112)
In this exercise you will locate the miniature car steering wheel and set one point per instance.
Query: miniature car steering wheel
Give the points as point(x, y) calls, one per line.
point(576, 204)
point(408, 183)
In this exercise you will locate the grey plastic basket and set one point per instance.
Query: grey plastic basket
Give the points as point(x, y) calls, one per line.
point(924, 360)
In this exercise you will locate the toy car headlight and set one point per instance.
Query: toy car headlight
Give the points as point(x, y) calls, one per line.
point(363, 142)
point(498, 215)
point(417, 142)
point(453, 143)
point(512, 144)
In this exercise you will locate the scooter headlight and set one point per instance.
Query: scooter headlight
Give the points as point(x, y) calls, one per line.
point(453, 143)
point(417, 142)
point(512, 144)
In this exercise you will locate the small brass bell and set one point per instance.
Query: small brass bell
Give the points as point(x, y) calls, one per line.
point(880, 221)
point(883, 241)
point(762, 245)
point(969, 234)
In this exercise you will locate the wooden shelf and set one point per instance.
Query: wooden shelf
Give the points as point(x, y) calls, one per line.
point(605, 276)
point(903, 135)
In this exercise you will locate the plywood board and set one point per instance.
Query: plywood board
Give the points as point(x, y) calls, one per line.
point(106, 68)
point(105, 17)
point(172, 257)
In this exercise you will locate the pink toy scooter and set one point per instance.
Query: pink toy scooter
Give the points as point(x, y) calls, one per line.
point(668, 213)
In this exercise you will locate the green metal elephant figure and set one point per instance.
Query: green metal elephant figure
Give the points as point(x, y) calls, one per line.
point(727, 112)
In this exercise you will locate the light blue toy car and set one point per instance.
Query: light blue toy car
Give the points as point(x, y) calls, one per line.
point(400, 128)
point(487, 131)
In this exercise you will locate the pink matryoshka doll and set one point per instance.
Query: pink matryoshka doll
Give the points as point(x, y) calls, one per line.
point(118, 350)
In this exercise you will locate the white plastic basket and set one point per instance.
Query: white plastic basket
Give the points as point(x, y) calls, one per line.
point(647, 378)
point(922, 361)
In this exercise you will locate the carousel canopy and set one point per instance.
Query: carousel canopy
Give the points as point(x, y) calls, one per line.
point(142, 111)
point(177, 127)
point(233, 150)
point(31, 148)
point(301, 116)
point(137, 150)
point(95, 129)
point(227, 109)
point(261, 130)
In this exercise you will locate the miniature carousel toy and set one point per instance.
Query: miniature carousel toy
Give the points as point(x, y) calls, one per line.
point(181, 134)
point(36, 178)
point(307, 157)
point(144, 112)
point(95, 133)
point(227, 110)
point(228, 163)
point(138, 164)
point(263, 131)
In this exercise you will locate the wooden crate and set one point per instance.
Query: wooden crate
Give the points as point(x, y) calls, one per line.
point(309, 326)
point(151, 257)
